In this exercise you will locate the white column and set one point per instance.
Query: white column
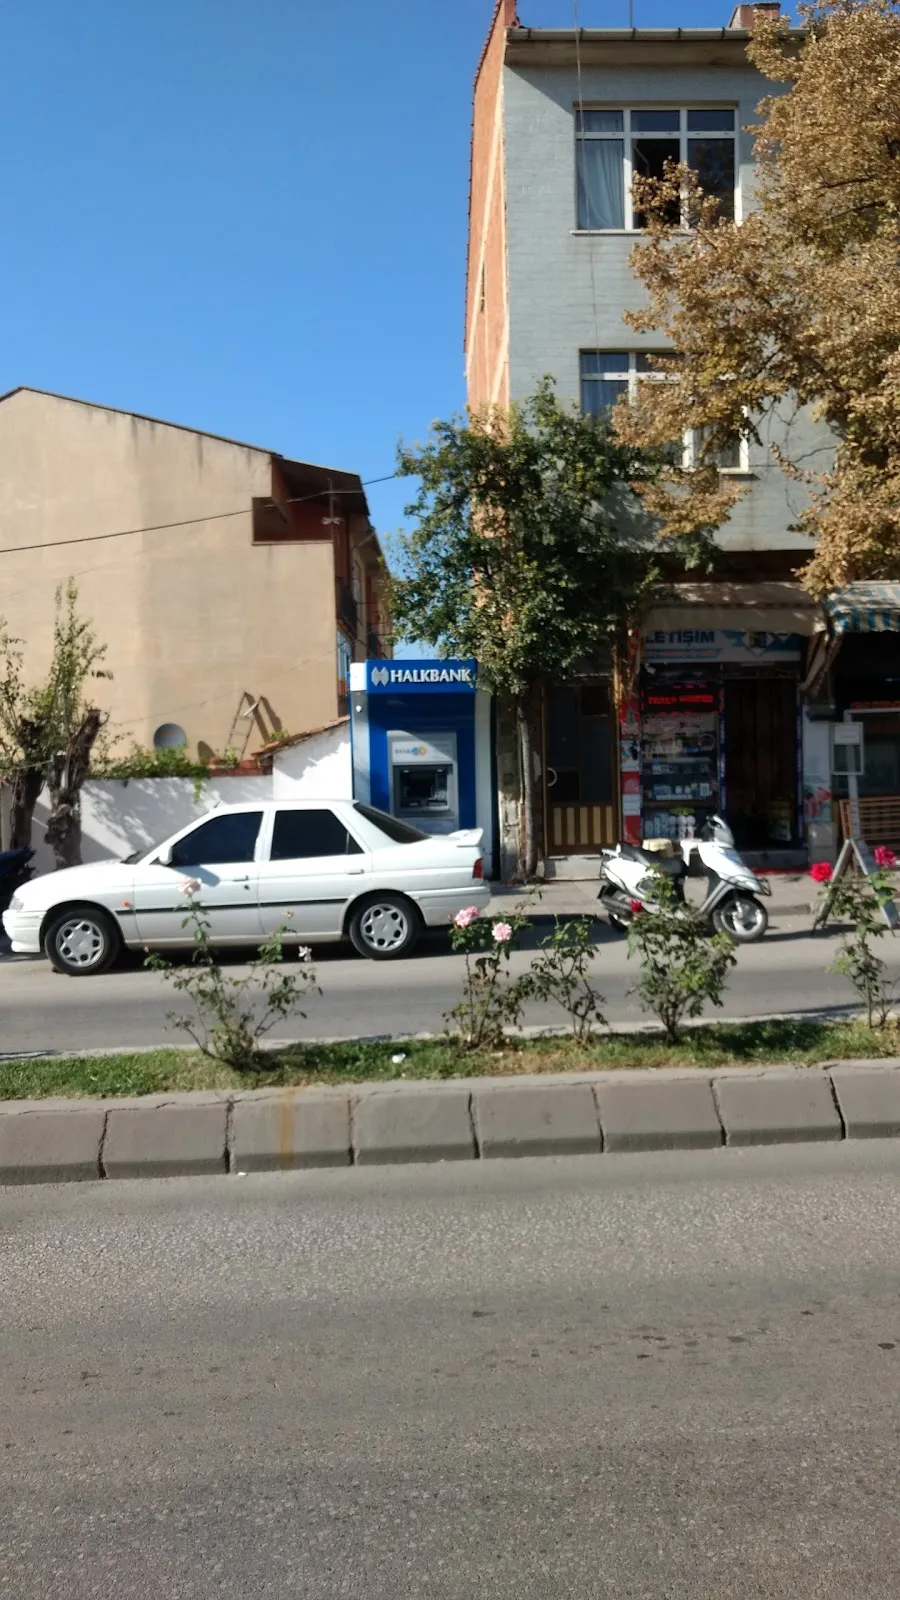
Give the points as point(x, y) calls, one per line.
point(819, 807)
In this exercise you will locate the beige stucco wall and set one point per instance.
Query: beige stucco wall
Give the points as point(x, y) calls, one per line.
point(194, 615)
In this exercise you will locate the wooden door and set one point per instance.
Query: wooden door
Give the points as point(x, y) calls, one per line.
point(579, 766)
point(761, 761)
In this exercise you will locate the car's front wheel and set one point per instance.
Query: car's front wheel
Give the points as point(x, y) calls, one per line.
point(82, 941)
point(384, 927)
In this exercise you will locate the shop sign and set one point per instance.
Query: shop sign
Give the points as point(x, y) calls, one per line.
point(721, 644)
point(682, 700)
point(420, 677)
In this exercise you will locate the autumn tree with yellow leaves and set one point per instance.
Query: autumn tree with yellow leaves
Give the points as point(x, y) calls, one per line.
point(797, 305)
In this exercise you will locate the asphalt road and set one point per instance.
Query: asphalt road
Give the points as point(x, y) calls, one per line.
point(40, 1010)
point(657, 1377)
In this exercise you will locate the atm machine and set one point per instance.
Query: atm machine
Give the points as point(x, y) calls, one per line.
point(421, 744)
point(424, 782)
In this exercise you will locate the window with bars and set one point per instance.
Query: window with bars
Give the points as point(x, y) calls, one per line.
point(613, 146)
point(606, 375)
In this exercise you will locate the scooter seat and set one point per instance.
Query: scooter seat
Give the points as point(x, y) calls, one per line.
point(673, 866)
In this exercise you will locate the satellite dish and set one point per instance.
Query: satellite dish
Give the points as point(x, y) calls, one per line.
point(169, 736)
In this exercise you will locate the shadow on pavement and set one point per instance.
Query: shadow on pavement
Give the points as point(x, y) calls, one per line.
point(433, 942)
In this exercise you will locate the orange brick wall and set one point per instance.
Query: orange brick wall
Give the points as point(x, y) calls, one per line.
point(487, 364)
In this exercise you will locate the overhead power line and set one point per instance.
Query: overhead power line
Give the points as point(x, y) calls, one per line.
point(186, 522)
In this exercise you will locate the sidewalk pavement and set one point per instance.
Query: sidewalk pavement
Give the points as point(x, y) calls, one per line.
point(600, 1113)
point(793, 895)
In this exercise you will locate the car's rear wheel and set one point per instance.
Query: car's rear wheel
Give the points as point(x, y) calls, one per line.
point(384, 927)
point(82, 941)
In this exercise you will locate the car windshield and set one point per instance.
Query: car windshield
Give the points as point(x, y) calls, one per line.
point(398, 832)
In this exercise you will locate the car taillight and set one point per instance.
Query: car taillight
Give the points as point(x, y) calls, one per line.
point(478, 869)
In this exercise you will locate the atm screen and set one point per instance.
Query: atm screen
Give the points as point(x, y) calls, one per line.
point(422, 789)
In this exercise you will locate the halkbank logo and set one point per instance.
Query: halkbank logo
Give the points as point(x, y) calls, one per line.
point(423, 675)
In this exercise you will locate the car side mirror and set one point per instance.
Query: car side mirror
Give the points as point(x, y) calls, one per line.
point(164, 856)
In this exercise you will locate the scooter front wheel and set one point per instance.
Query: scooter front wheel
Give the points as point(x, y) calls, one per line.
point(743, 917)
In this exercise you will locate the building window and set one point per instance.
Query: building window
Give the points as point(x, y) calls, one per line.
point(615, 146)
point(731, 457)
point(344, 660)
point(606, 375)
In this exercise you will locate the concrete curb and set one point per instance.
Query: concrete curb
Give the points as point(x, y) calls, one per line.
point(469, 1119)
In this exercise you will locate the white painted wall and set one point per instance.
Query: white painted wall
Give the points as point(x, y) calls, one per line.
point(318, 768)
point(120, 815)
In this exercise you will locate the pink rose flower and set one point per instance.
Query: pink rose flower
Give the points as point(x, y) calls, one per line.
point(884, 856)
point(502, 932)
point(464, 919)
point(820, 872)
point(635, 906)
point(191, 886)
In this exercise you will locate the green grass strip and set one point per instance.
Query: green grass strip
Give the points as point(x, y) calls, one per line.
point(795, 1043)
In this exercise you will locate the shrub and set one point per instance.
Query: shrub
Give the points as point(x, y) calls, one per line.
point(559, 973)
point(683, 967)
point(491, 998)
point(859, 899)
point(234, 1014)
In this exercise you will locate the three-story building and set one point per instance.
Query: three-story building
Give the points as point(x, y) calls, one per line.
point(707, 714)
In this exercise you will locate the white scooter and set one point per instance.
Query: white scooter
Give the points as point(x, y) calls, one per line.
point(732, 904)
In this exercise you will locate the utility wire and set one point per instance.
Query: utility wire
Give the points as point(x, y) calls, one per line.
point(187, 522)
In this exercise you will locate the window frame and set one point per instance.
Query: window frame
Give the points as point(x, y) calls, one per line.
point(627, 135)
point(632, 377)
point(172, 845)
point(304, 811)
point(740, 470)
point(375, 818)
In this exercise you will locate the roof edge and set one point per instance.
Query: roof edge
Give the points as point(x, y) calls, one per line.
point(182, 427)
point(523, 35)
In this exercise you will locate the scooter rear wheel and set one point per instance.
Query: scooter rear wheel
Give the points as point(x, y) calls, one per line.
point(743, 917)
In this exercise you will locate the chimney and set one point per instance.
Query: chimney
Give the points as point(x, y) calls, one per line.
point(744, 16)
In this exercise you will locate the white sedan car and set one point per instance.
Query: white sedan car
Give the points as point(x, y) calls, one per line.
point(320, 869)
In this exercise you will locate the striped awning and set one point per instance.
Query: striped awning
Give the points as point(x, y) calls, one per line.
point(865, 608)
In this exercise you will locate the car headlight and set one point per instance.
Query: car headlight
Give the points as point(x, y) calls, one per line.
point(764, 886)
point(17, 903)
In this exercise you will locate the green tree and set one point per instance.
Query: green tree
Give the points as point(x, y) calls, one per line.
point(528, 553)
point(47, 732)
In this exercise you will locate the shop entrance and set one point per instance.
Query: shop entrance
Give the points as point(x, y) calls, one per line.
point(761, 761)
point(580, 810)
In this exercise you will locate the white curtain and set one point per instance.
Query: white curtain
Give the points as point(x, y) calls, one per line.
point(601, 183)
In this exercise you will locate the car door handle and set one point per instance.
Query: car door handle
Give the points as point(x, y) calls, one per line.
point(245, 879)
point(354, 871)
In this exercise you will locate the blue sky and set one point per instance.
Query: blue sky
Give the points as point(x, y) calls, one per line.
point(249, 215)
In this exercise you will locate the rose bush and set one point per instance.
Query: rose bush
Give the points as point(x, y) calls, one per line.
point(491, 998)
point(859, 899)
point(234, 1014)
point(682, 967)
